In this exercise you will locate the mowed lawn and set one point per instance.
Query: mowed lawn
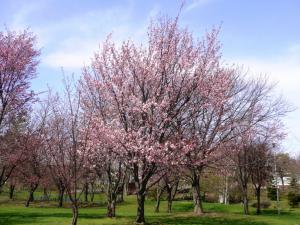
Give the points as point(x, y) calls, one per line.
point(14, 213)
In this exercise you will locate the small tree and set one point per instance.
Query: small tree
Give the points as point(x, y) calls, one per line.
point(260, 169)
point(67, 143)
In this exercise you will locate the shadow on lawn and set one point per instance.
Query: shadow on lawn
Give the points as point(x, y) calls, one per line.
point(19, 218)
point(204, 220)
point(35, 218)
point(13, 218)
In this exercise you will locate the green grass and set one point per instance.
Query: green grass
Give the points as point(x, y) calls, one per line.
point(14, 213)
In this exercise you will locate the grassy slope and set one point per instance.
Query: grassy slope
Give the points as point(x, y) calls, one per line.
point(14, 213)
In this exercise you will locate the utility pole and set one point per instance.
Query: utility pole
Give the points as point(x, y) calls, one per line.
point(276, 180)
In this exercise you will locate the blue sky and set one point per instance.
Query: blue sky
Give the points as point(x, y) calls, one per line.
point(263, 36)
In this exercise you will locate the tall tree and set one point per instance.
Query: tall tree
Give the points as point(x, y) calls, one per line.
point(18, 62)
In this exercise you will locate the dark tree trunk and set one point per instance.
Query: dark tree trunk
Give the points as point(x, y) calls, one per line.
point(61, 192)
point(171, 190)
point(111, 208)
point(75, 214)
point(282, 182)
point(198, 208)
point(86, 192)
point(45, 197)
point(169, 197)
point(31, 195)
point(157, 204)
point(140, 217)
point(92, 193)
point(258, 208)
point(11, 191)
point(159, 192)
point(141, 187)
point(169, 201)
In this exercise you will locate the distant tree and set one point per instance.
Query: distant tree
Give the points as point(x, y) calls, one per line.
point(284, 163)
point(261, 159)
point(272, 192)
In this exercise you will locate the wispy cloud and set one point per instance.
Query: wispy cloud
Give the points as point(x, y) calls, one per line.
point(196, 4)
point(71, 42)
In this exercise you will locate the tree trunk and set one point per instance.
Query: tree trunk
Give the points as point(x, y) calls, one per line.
point(111, 208)
point(61, 192)
point(157, 204)
point(92, 193)
point(169, 198)
point(225, 197)
point(75, 214)
point(170, 201)
point(45, 197)
point(198, 208)
point(245, 200)
point(282, 182)
point(141, 186)
point(122, 193)
point(140, 218)
point(11, 191)
point(258, 209)
point(31, 195)
point(86, 192)
point(159, 192)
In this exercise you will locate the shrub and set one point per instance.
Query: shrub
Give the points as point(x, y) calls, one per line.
point(212, 198)
point(293, 199)
point(263, 204)
point(272, 193)
point(235, 197)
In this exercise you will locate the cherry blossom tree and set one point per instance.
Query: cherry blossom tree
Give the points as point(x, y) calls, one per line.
point(108, 165)
point(145, 90)
point(18, 62)
point(12, 151)
point(67, 139)
point(215, 131)
point(33, 167)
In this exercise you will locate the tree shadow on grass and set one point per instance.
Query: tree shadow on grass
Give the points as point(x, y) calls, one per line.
point(202, 220)
point(19, 218)
point(14, 218)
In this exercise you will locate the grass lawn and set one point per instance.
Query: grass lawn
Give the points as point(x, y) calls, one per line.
point(14, 213)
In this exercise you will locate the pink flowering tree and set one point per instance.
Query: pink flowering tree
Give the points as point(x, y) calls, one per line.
point(109, 166)
point(238, 106)
point(33, 168)
point(18, 62)
point(32, 141)
point(67, 143)
point(12, 151)
point(148, 94)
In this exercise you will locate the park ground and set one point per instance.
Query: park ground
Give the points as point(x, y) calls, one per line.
point(13, 212)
